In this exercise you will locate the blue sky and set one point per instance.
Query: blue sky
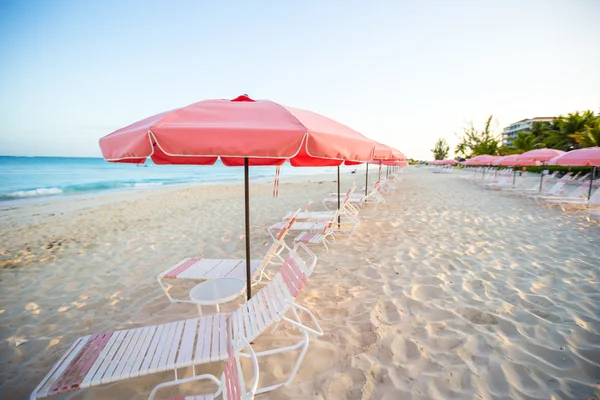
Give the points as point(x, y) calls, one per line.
point(401, 72)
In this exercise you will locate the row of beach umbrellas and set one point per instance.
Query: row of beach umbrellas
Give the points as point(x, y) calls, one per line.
point(245, 132)
point(586, 157)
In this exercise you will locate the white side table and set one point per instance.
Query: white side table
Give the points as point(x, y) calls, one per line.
point(216, 291)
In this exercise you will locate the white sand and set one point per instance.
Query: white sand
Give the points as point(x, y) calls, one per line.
point(448, 291)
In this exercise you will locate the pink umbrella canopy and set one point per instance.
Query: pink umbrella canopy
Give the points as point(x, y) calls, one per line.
point(241, 131)
point(538, 156)
point(508, 161)
point(265, 132)
point(481, 160)
point(587, 157)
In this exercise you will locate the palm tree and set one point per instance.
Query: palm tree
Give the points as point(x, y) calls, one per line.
point(539, 129)
point(524, 142)
point(591, 136)
point(563, 130)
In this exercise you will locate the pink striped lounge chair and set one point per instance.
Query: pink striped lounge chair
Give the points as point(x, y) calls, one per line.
point(100, 359)
point(200, 269)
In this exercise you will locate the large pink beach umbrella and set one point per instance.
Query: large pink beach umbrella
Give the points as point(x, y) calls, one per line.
point(586, 157)
point(538, 156)
point(507, 161)
point(240, 132)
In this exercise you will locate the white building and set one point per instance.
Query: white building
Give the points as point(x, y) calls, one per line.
point(510, 132)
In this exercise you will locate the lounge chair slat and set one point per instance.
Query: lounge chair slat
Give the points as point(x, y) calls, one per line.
point(119, 349)
point(240, 318)
point(176, 343)
point(234, 326)
point(135, 354)
point(78, 368)
point(247, 323)
point(224, 335)
point(274, 298)
point(253, 318)
point(186, 351)
point(157, 345)
point(180, 267)
point(282, 292)
point(207, 340)
point(106, 358)
point(257, 307)
point(200, 269)
point(60, 366)
point(262, 310)
point(289, 280)
point(200, 341)
point(222, 269)
point(166, 347)
point(136, 337)
point(101, 362)
point(214, 346)
point(240, 270)
point(147, 351)
point(270, 304)
point(219, 332)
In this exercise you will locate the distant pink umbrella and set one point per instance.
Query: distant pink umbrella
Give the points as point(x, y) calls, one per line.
point(538, 156)
point(587, 157)
point(483, 160)
point(507, 161)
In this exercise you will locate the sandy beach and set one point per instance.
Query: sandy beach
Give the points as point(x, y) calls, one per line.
point(446, 291)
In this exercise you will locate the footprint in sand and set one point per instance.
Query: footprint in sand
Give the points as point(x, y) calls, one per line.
point(404, 350)
point(387, 312)
point(478, 317)
point(426, 292)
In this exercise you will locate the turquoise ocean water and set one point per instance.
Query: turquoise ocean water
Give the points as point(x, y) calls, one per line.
point(43, 177)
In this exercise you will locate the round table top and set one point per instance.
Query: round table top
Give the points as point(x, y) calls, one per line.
point(217, 291)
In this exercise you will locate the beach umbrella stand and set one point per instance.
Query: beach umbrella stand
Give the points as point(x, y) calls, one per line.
point(542, 177)
point(592, 178)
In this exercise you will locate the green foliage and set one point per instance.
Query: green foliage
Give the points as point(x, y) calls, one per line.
point(563, 131)
point(525, 141)
point(474, 142)
point(590, 136)
point(440, 150)
point(576, 130)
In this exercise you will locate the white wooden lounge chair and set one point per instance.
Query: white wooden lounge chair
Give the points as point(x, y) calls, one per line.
point(556, 190)
point(502, 181)
point(231, 385)
point(373, 197)
point(325, 237)
point(200, 269)
point(346, 209)
point(578, 193)
point(347, 225)
point(578, 202)
point(114, 356)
